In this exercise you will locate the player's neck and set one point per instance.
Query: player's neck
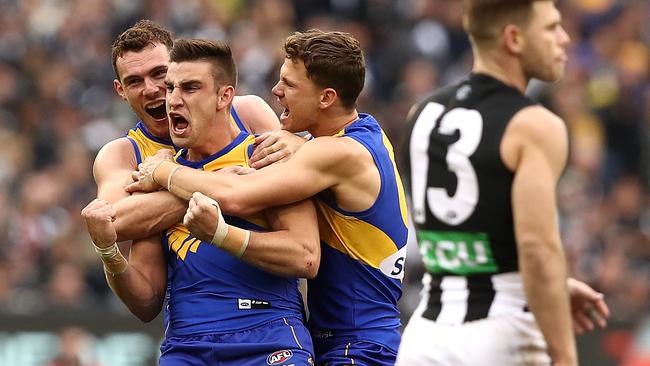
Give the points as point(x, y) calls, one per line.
point(220, 135)
point(331, 124)
point(504, 69)
point(161, 132)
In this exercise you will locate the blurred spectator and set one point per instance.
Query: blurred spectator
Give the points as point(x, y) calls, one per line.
point(75, 349)
point(66, 288)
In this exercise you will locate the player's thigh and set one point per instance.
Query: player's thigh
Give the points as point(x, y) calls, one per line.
point(512, 340)
point(357, 353)
point(421, 344)
point(191, 351)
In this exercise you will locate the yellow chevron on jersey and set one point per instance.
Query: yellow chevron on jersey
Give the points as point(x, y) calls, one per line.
point(373, 236)
point(355, 237)
point(180, 240)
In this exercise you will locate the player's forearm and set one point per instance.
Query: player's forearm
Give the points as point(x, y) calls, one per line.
point(137, 293)
point(544, 274)
point(234, 195)
point(284, 254)
point(141, 215)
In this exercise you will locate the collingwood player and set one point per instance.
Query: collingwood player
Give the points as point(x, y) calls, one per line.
point(482, 168)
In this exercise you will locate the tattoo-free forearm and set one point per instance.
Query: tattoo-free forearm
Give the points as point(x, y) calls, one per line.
point(283, 254)
point(231, 191)
point(137, 293)
point(142, 286)
point(141, 215)
point(544, 275)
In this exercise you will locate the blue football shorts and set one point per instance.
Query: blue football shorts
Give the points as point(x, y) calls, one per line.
point(282, 342)
point(357, 350)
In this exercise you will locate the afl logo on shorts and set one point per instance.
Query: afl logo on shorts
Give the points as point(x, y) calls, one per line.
point(279, 357)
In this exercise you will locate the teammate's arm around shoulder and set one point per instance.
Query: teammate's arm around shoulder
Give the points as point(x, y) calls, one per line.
point(140, 216)
point(112, 169)
point(256, 114)
point(535, 147)
point(318, 165)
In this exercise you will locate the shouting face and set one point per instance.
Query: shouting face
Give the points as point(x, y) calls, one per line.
point(194, 103)
point(141, 84)
point(298, 95)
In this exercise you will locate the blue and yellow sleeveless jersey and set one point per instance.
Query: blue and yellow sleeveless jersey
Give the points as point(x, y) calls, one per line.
point(211, 291)
point(363, 253)
point(236, 120)
point(145, 144)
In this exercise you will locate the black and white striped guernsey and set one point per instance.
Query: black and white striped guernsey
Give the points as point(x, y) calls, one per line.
point(460, 192)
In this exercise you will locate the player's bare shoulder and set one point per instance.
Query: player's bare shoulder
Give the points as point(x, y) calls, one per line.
point(116, 154)
point(535, 127)
point(344, 153)
point(243, 101)
point(255, 113)
point(538, 122)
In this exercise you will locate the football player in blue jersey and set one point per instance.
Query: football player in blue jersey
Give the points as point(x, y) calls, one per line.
point(349, 167)
point(140, 58)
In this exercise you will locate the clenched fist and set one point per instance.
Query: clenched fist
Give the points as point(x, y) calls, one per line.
point(202, 217)
point(99, 216)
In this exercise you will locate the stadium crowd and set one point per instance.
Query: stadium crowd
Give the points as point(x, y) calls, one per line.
point(58, 107)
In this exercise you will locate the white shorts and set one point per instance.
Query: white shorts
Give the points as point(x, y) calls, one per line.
point(497, 341)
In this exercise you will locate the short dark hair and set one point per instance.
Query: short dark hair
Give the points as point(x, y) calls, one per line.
point(332, 59)
point(484, 20)
point(140, 35)
point(216, 52)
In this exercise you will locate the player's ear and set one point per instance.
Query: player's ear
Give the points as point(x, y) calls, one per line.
point(225, 95)
point(512, 38)
point(327, 98)
point(119, 89)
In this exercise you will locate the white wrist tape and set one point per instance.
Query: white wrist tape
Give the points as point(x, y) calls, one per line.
point(153, 171)
point(108, 252)
point(169, 178)
point(244, 245)
point(113, 261)
point(222, 227)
